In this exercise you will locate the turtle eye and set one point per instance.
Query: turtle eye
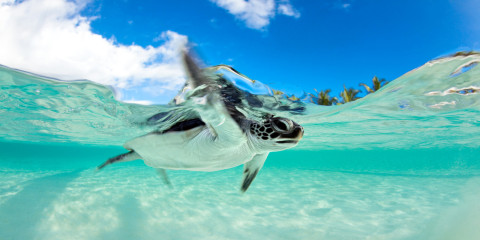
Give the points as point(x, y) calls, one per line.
point(282, 125)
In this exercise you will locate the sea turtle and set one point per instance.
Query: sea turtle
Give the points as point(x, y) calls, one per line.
point(221, 137)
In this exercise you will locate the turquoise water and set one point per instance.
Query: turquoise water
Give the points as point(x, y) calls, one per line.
point(402, 163)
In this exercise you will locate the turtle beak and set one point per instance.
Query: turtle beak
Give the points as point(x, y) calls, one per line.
point(300, 135)
point(294, 136)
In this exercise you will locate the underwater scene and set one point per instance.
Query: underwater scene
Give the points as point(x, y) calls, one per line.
point(400, 163)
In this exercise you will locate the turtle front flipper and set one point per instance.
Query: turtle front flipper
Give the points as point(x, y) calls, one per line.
point(130, 156)
point(208, 102)
point(195, 73)
point(251, 169)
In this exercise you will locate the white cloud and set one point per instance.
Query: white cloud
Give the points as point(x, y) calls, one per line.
point(257, 13)
point(52, 38)
point(287, 9)
point(141, 102)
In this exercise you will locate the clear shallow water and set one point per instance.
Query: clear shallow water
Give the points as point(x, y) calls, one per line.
point(398, 164)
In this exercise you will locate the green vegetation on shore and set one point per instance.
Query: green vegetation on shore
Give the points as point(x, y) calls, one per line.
point(324, 98)
point(347, 95)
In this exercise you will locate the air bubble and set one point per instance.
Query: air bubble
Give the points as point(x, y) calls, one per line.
point(453, 90)
point(464, 68)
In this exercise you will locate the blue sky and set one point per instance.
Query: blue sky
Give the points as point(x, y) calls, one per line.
point(299, 46)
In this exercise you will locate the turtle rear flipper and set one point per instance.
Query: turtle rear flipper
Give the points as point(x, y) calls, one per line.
point(130, 156)
point(162, 173)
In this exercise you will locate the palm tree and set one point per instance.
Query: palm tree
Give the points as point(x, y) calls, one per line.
point(377, 84)
point(293, 97)
point(277, 92)
point(349, 95)
point(323, 98)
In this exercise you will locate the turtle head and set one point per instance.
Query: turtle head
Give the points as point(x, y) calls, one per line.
point(275, 134)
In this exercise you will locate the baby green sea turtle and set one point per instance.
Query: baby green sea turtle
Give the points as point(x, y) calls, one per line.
point(221, 137)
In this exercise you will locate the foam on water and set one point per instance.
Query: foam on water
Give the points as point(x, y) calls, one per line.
point(401, 163)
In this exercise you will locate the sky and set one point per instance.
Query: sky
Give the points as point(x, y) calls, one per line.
point(291, 45)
